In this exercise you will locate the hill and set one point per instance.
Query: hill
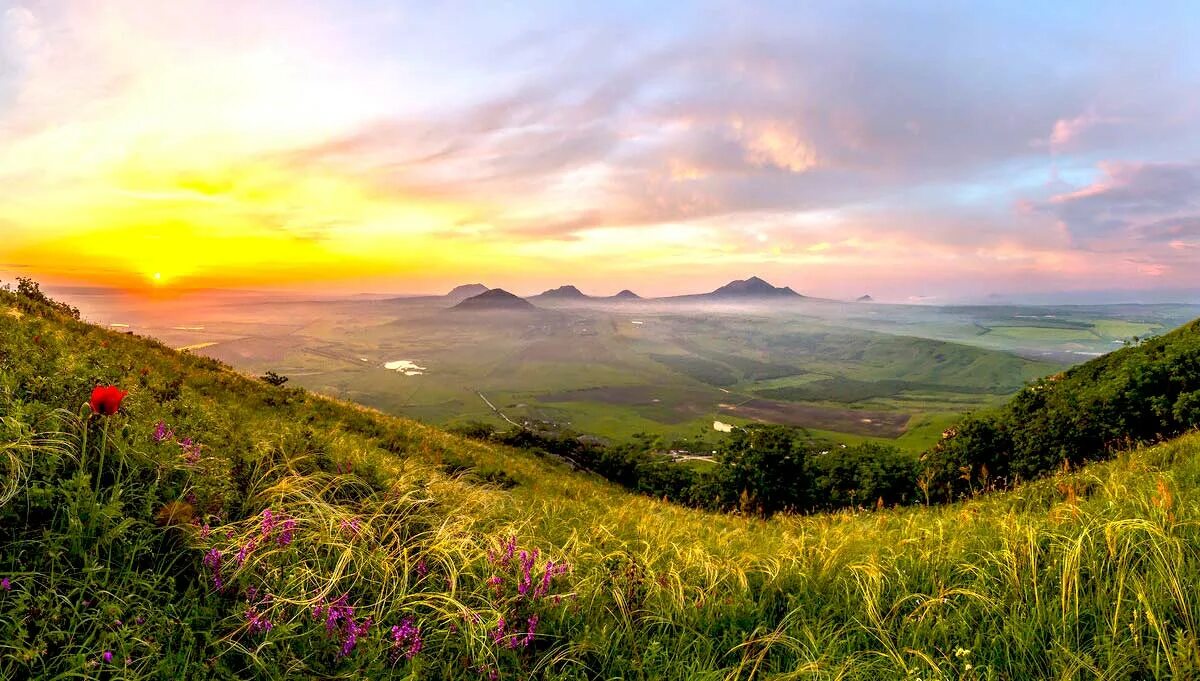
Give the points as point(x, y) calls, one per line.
point(864, 299)
point(1144, 392)
point(461, 293)
point(216, 526)
point(752, 288)
point(626, 294)
point(495, 299)
point(567, 292)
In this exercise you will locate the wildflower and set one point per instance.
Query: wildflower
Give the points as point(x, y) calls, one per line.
point(106, 400)
point(191, 450)
point(527, 562)
point(531, 629)
point(268, 522)
point(505, 557)
point(350, 527)
point(107, 656)
point(500, 632)
point(288, 529)
point(335, 612)
point(212, 561)
point(422, 569)
point(205, 531)
point(351, 634)
point(245, 551)
point(257, 622)
point(406, 640)
point(162, 432)
point(6, 584)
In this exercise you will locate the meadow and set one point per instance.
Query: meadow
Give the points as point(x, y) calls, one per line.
point(216, 526)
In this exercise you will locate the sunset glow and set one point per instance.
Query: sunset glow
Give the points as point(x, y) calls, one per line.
point(398, 147)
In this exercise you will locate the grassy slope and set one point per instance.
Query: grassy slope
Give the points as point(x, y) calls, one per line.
point(1088, 575)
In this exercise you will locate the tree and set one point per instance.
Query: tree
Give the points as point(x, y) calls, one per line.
point(274, 379)
point(764, 469)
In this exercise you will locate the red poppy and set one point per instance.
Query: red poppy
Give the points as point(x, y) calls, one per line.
point(106, 400)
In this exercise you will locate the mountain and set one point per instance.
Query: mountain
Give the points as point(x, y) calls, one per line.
point(753, 287)
point(495, 299)
point(864, 299)
point(567, 292)
point(461, 293)
point(627, 295)
point(216, 514)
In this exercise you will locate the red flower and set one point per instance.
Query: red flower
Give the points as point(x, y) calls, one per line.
point(106, 400)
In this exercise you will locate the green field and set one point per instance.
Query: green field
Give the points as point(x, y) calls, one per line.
point(849, 372)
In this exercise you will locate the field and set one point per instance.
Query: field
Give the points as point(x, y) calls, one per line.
point(847, 372)
point(1089, 574)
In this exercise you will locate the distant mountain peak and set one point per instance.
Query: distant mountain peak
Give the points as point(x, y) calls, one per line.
point(460, 293)
point(864, 299)
point(495, 299)
point(753, 287)
point(567, 291)
point(626, 294)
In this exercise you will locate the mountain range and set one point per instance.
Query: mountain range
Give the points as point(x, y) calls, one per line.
point(477, 296)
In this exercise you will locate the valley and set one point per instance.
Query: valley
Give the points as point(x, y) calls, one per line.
point(617, 366)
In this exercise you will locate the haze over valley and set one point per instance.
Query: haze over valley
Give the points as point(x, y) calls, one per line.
point(614, 366)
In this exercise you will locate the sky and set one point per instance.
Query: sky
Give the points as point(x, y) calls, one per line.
point(914, 150)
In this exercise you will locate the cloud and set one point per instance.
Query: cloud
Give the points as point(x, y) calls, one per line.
point(1152, 198)
point(602, 127)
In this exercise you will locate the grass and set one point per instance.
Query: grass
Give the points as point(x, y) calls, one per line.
point(1089, 574)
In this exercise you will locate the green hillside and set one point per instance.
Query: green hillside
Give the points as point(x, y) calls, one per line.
point(220, 527)
point(1141, 393)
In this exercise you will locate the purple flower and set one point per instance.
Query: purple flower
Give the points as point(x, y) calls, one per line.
point(107, 656)
point(406, 640)
point(351, 633)
point(340, 624)
point(258, 622)
point(162, 432)
point(245, 551)
point(286, 533)
point(531, 629)
point(268, 522)
point(422, 569)
point(191, 450)
point(6, 584)
point(350, 527)
point(501, 631)
point(212, 561)
point(507, 548)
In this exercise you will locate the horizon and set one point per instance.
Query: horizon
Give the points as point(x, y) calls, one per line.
point(956, 154)
point(1083, 298)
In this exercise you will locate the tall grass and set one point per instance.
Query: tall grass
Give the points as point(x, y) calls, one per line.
point(1089, 574)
